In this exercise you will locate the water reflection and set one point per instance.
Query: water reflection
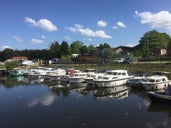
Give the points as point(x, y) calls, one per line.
point(39, 104)
point(46, 99)
point(118, 92)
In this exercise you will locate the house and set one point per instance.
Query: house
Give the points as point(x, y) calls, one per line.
point(123, 50)
point(157, 51)
point(20, 58)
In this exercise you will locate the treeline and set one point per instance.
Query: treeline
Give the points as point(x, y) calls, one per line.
point(56, 50)
point(64, 51)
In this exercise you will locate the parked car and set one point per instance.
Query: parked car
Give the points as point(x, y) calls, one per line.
point(119, 60)
point(55, 60)
point(127, 60)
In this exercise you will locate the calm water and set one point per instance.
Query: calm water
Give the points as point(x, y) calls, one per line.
point(31, 104)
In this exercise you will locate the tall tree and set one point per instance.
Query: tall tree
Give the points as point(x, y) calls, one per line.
point(65, 50)
point(54, 50)
point(153, 39)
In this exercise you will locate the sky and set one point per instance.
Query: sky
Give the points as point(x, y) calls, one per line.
point(35, 24)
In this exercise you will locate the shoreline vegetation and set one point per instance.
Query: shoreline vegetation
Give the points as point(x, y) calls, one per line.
point(133, 67)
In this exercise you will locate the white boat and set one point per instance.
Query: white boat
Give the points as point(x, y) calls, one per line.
point(56, 72)
point(113, 78)
point(80, 76)
point(77, 78)
point(91, 77)
point(155, 82)
point(136, 81)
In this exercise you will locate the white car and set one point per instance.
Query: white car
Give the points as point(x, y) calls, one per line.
point(119, 60)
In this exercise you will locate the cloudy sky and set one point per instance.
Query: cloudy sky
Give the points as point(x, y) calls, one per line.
point(34, 24)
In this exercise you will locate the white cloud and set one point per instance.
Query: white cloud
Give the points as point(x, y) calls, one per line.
point(89, 39)
point(18, 39)
point(88, 32)
point(161, 19)
point(68, 38)
point(45, 100)
point(115, 27)
point(101, 23)
point(43, 37)
point(43, 24)
point(5, 46)
point(36, 41)
point(121, 24)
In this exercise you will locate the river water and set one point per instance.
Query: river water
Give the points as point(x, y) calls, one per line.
point(32, 104)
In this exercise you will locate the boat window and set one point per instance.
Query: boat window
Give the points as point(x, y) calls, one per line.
point(105, 78)
point(157, 80)
point(163, 79)
point(151, 80)
point(124, 74)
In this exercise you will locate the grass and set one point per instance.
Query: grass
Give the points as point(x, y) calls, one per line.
point(131, 67)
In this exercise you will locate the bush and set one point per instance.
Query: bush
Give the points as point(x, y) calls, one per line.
point(11, 64)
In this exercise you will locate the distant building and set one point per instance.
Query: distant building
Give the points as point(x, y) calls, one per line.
point(123, 50)
point(156, 51)
point(20, 58)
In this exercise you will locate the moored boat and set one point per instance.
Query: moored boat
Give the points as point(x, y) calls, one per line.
point(113, 78)
point(17, 72)
point(159, 97)
point(155, 82)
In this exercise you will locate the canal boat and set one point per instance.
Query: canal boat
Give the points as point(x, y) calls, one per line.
point(159, 97)
point(155, 82)
point(17, 72)
point(113, 78)
point(80, 76)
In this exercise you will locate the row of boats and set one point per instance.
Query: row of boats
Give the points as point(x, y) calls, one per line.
point(109, 78)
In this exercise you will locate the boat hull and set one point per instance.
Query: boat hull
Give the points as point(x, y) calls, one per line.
point(112, 83)
point(159, 98)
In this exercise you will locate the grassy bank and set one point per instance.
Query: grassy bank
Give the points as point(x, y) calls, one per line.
point(131, 67)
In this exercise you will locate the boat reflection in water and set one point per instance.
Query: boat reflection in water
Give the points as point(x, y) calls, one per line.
point(118, 92)
point(160, 108)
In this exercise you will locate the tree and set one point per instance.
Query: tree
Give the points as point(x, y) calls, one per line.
point(75, 47)
point(84, 49)
point(91, 50)
point(54, 50)
point(102, 46)
point(153, 39)
point(11, 64)
point(65, 50)
point(7, 54)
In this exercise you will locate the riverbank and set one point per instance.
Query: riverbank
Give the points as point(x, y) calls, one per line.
point(147, 67)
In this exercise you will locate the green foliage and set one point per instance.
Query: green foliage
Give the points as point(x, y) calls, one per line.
point(66, 58)
point(153, 39)
point(54, 50)
point(11, 64)
point(65, 49)
point(107, 53)
point(75, 47)
point(7, 54)
point(84, 49)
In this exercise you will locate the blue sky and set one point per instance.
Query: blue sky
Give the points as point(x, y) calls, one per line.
point(34, 24)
